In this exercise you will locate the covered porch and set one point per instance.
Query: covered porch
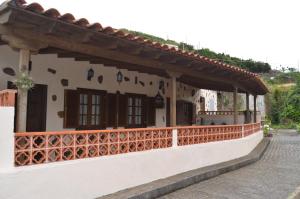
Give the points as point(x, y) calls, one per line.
point(101, 91)
point(111, 107)
point(37, 35)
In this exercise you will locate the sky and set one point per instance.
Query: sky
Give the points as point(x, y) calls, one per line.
point(263, 30)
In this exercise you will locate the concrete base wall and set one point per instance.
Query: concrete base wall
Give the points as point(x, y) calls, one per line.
point(6, 138)
point(95, 177)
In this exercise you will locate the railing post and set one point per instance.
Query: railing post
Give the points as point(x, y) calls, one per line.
point(175, 138)
point(7, 143)
point(243, 131)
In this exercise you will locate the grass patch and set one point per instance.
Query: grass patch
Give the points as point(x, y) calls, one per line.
point(284, 126)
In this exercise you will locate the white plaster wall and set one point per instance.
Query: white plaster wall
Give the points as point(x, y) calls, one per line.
point(90, 178)
point(6, 138)
point(76, 71)
point(184, 92)
point(260, 102)
point(227, 119)
point(219, 119)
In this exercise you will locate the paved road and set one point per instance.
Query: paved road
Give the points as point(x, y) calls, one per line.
point(276, 175)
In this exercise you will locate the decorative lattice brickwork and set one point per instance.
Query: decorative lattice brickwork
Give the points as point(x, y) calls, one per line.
point(204, 134)
point(45, 147)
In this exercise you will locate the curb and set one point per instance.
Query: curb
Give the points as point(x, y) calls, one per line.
point(165, 186)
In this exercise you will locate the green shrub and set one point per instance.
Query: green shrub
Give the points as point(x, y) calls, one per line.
point(298, 128)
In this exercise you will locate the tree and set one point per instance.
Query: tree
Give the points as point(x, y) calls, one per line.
point(291, 110)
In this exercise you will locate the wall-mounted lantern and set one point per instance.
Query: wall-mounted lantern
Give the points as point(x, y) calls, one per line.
point(159, 101)
point(161, 84)
point(90, 74)
point(119, 77)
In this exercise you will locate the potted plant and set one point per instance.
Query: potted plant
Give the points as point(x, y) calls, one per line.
point(24, 82)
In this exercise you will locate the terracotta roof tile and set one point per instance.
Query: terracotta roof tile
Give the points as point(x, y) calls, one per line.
point(52, 12)
point(34, 7)
point(82, 22)
point(95, 27)
point(108, 30)
point(69, 18)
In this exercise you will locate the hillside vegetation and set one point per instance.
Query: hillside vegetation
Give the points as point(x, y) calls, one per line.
point(284, 98)
point(249, 64)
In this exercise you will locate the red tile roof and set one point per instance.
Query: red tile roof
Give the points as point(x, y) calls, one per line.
point(84, 23)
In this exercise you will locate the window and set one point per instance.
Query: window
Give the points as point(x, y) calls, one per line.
point(90, 109)
point(83, 109)
point(135, 111)
point(94, 109)
point(89, 112)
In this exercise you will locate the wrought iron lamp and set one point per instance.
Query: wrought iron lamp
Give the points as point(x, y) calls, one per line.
point(119, 77)
point(90, 74)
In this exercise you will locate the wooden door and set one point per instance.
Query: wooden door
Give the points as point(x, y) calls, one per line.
point(10, 85)
point(184, 113)
point(202, 104)
point(37, 108)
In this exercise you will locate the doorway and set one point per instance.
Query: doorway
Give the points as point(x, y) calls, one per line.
point(36, 107)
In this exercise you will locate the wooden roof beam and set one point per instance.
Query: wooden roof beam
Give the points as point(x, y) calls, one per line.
point(74, 46)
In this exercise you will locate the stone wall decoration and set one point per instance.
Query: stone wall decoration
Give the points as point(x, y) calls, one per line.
point(142, 83)
point(64, 82)
point(100, 79)
point(51, 70)
point(54, 98)
point(159, 101)
point(61, 114)
point(9, 71)
point(126, 79)
point(151, 83)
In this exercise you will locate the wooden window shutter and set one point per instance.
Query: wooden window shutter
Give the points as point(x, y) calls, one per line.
point(122, 111)
point(145, 103)
point(151, 111)
point(71, 109)
point(194, 112)
point(111, 108)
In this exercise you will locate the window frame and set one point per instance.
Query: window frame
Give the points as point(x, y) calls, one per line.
point(102, 111)
point(135, 96)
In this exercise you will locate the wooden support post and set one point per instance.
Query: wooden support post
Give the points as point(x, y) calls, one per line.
point(248, 117)
point(173, 101)
point(173, 96)
point(235, 114)
point(255, 111)
point(22, 94)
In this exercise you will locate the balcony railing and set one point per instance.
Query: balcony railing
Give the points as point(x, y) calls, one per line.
point(47, 147)
point(221, 112)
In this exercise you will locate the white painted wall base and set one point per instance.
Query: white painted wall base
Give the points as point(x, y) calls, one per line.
point(91, 178)
point(6, 138)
